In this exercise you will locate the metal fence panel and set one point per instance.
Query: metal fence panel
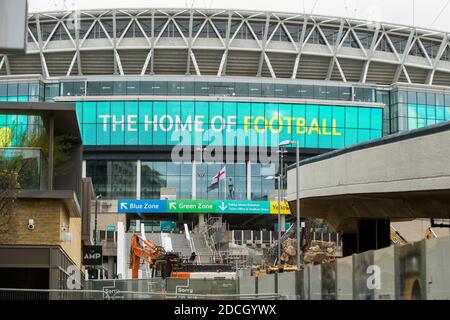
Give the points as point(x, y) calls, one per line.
point(344, 273)
point(287, 285)
point(384, 260)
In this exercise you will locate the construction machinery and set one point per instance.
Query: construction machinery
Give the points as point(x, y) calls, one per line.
point(155, 257)
point(170, 264)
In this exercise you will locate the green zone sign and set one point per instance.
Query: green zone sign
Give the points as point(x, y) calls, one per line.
point(202, 206)
point(197, 206)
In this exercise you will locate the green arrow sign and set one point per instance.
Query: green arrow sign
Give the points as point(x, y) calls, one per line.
point(195, 206)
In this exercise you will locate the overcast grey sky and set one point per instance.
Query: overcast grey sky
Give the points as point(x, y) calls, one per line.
point(434, 14)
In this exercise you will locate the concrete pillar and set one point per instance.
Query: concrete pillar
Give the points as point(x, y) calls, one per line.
point(138, 179)
point(201, 221)
point(110, 267)
point(83, 169)
point(194, 180)
point(122, 268)
point(249, 180)
point(283, 223)
point(51, 148)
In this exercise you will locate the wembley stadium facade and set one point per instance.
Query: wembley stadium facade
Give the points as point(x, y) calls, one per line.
point(145, 79)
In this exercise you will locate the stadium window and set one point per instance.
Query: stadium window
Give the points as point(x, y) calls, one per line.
point(108, 25)
point(307, 92)
point(146, 87)
point(365, 38)
point(416, 50)
point(173, 88)
point(196, 24)
point(333, 93)
point(146, 25)
point(46, 29)
point(331, 34)
point(187, 88)
point(221, 26)
point(159, 24)
point(446, 54)
point(84, 27)
point(132, 88)
point(350, 40)
point(96, 32)
point(160, 88)
point(183, 24)
point(258, 28)
point(345, 94)
point(93, 88)
point(201, 89)
point(294, 30)
point(431, 47)
point(316, 37)
point(120, 88)
point(67, 89)
point(254, 90)
point(384, 45)
point(106, 88)
point(33, 29)
point(293, 91)
point(399, 42)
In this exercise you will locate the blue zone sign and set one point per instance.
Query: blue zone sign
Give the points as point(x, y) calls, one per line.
point(142, 206)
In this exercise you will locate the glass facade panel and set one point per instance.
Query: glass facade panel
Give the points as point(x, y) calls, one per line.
point(225, 123)
point(113, 179)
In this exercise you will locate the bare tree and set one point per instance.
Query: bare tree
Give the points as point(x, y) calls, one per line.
point(8, 194)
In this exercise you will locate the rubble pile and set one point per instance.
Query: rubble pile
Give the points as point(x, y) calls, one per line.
point(319, 251)
point(289, 251)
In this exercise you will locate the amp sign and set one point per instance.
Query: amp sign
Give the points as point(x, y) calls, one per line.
point(92, 255)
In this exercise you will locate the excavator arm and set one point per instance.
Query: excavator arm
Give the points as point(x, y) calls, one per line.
point(147, 252)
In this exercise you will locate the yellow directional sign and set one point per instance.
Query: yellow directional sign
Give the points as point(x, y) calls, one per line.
point(285, 209)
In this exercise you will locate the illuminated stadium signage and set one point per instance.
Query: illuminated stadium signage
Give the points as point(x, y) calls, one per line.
point(226, 123)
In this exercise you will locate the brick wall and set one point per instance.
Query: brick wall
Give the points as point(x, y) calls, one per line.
point(48, 215)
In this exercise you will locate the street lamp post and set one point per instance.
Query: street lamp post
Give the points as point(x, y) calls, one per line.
point(279, 214)
point(297, 193)
point(282, 152)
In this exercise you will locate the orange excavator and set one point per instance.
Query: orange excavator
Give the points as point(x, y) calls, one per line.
point(155, 256)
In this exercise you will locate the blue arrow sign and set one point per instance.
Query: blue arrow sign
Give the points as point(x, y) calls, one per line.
point(141, 206)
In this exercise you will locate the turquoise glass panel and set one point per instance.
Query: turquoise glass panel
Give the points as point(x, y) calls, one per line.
point(364, 118)
point(351, 117)
point(351, 136)
point(376, 118)
point(226, 123)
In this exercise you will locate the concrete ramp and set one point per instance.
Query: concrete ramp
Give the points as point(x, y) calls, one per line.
point(400, 177)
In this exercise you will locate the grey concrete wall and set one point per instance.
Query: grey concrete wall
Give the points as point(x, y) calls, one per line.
point(438, 268)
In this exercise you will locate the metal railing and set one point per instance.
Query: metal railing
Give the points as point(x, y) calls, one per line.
point(112, 294)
